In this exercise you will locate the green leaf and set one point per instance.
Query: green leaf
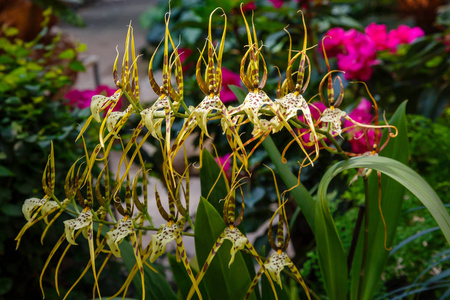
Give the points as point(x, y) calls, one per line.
point(5, 172)
point(221, 282)
point(325, 227)
point(10, 31)
point(209, 173)
point(156, 285)
point(76, 66)
point(67, 54)
point(391, 203)
point(182, 279)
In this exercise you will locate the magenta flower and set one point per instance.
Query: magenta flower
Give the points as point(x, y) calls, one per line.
point(316, 109)
point(403, 35)
point(361, 140)
point(225, 162)
point(82, 99)
point(277, 3)
point(378, 34)
point(229, 78)
point(334, 42)
point(184, 54)
point(359, 56)
point(249, 6)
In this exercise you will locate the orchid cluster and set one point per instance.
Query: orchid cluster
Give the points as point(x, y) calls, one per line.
point(356, 52)
point(91, 200)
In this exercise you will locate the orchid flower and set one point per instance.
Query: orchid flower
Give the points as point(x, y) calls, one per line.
point(231, 233)
point(211, 87)
point(279, 259)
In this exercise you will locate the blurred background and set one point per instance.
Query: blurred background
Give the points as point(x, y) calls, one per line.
point(56, 54)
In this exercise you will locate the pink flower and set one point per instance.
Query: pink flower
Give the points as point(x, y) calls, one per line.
point(229, 78)
point(403, 35)
point(316, 109)
point(249, 6)
point(82, 99)
point(184, 54)
point(277, 3)
point(359, 56)
point(225, 162)
point(334, 42)
point(358, 138)
point(378, 34)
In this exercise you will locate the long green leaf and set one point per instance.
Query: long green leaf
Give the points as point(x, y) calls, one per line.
point(326, 230)
point(156, 285)
point(391, 203)
point(221, 282)
point(209, 174)
point(182, 279)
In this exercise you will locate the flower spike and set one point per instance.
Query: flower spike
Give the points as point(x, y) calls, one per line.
point(211, 87)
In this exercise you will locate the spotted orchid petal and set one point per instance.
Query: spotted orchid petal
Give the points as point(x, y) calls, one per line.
point(237, 239)
point(276, 263)
point(116, 236)
point(114, 117)
point(293, 102)
point(30, 205)
point(333, 116)
point(154, 112)
point(100, 102)
point(205, 107)
point(252, 104)
point(166, 234)
point(48, 208)
point(83, 221)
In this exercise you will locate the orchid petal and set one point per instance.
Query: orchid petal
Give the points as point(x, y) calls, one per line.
point(83, 221)
point(237, 239)
point(30, 205)
point(333, 116)
point(116, 236)
point(275, 264)
point(166, 234)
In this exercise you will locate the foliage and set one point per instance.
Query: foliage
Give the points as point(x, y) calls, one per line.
point(224, 264)
point(32, 115)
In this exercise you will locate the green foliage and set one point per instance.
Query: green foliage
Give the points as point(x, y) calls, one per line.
point(31, 116)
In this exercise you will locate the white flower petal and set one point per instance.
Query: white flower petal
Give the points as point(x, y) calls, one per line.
point(30, 205)
point(83, 220)
point(116, 236)
point(237, 239)
point(166, 234)
point(275, 264)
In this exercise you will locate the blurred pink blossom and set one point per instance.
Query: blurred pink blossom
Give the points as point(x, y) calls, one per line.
point(403, 35)
point(277, 3)
point(334, 42)
point(359, 57)
point(316, 109)
point(356, 52)
point(249, 6)
point(184, 54)
point(358, 137)
point(225, 162)
point(82, 99)
point(229, 78)
point(378, 34)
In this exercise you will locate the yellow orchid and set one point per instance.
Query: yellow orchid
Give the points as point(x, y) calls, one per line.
point(276, 263)
point(116, 236)
point(166, 234)
point(237, 239)
point(100, 102)
point(31, 205)
point(83, 221)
